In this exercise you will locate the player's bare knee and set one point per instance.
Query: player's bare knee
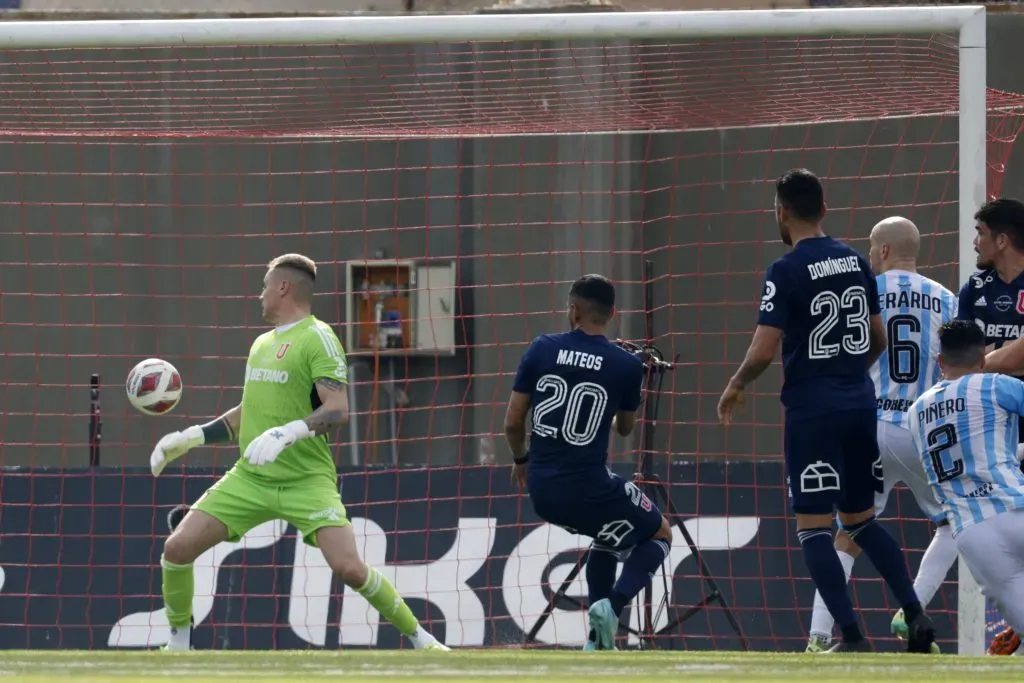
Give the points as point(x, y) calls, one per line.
point(845, 544)
point(197, 533)
point(353, 573)
point(849, 519)
point(665, 531)
point(179, 548)
point(338, 545)
point(806, 521)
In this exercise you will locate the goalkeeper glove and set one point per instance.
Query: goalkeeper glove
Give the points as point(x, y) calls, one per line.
point(174, 445)
point(265, 448)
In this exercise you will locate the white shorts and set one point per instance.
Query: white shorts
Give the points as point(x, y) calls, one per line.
point(902, 463)
point(994, 552)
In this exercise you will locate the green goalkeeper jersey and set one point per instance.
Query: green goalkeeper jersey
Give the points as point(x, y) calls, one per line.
point(279, 388)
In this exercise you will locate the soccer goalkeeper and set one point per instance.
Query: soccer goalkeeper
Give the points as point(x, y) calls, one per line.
point(294, 394)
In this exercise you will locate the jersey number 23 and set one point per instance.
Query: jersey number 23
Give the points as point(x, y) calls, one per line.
point(852, 306)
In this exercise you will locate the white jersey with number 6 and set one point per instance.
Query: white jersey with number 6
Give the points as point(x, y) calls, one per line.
point(965, 431)
point(913, 309)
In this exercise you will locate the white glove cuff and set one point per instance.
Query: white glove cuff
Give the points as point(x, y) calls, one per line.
point(195, 435)
point(300, 429)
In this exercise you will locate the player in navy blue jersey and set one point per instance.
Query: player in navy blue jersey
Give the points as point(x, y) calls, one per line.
point(821, 301)
point(576, 387)
point(993, 297)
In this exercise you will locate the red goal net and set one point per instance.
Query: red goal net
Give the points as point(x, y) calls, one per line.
point(449, 194)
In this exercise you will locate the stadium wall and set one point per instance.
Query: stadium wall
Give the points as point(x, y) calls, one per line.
point(79, 564)
point(697, 204)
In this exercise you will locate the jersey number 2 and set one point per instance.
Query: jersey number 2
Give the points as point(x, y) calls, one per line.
point(584, 407)
point(854, 304)
point(939, 440)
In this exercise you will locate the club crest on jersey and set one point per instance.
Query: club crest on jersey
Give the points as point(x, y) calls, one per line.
point(283, 349)
point(1020, 301)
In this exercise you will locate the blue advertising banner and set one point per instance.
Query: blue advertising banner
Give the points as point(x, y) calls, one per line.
point(79, 564)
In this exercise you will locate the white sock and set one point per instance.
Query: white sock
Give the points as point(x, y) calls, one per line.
point(938, 558)
point(822, 622)
point(180, 639)
point(421, 638)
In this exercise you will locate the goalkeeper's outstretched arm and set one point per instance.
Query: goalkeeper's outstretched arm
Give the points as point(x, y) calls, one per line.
point(172, 446)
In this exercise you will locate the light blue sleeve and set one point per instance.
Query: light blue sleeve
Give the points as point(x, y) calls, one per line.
point(1010, 394)
point(950, 305)
point(914, 425)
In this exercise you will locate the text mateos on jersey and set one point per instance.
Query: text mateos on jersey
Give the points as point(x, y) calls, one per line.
point(579, 359)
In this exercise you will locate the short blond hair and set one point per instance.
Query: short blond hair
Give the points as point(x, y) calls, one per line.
point(296, 261)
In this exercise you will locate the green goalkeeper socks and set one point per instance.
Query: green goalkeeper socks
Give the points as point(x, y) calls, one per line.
point(379, 592)
point(178, 588)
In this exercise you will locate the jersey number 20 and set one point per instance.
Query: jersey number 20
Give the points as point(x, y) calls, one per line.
point(853, 304)
point(584, 407)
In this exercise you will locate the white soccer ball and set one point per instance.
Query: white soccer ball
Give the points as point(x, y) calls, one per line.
point(154, 387)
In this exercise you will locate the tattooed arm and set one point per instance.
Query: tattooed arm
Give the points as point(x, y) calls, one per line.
point(333, 411)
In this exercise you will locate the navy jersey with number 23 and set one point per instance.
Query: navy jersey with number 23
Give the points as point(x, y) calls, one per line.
point(821, 295)
point(576, 382)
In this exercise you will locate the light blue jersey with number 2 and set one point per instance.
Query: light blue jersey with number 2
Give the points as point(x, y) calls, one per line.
point(965, 430)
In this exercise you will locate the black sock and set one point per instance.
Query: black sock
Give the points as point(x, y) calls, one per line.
point(852, 634)
point(887, 556)
point(642, 562)
point(912, 611)
point(601, 565)
point(619, 601)
point(827, 573)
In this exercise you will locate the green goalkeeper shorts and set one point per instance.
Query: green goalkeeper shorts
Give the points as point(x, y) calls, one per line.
point(242, 503)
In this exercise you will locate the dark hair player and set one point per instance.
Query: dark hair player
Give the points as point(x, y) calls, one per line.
point(993, 297)
point(577, 386)
point(820, 301)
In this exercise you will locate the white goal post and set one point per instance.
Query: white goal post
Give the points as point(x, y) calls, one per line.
point(966, 21)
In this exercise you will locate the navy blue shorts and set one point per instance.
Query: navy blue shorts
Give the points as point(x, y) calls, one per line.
point(831, 462)
point(614, 512)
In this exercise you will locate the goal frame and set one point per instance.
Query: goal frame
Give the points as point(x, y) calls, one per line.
point(968, 21)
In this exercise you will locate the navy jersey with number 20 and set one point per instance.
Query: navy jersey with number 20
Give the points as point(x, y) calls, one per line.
point(576, 382)
point(821, 295)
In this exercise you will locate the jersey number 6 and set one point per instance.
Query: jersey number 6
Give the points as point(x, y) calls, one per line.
point(584, 407)
point(854, 303)
point(904, 354)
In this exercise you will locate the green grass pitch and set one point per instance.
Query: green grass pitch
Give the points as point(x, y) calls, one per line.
point(521, 666)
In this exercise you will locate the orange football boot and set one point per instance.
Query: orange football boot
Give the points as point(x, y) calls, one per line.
point(1005, 643)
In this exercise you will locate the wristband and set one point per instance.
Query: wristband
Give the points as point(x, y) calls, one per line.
point(521, 461)
point(218, 431)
